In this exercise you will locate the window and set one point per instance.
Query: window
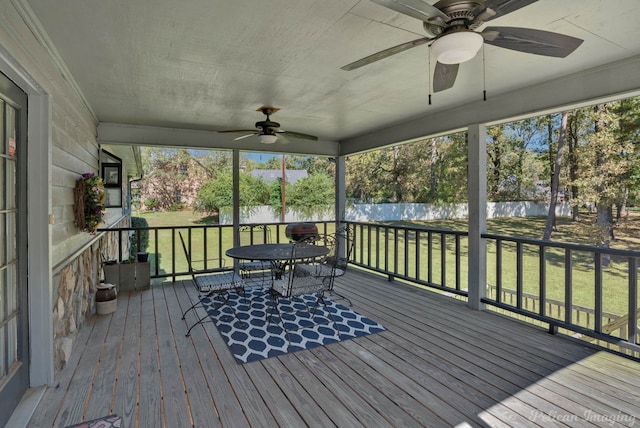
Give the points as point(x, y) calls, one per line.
point(112, 178)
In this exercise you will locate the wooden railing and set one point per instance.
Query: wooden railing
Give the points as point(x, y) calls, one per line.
point(206, 244)
point(429, 257)
point(591, 291)
point(584, 290)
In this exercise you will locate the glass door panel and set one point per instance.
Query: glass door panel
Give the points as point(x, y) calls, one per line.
point(14, 350)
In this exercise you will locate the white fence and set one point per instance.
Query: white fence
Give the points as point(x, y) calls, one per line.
point(389, 212)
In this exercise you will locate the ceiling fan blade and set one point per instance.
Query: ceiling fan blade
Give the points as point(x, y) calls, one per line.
point(385, 54)
point(242, 137)
point(282, 139)
point(532, 41)
point(300, 135)
point(444, 76)
point(417, 9)
point(237, 130)
point(492, 9)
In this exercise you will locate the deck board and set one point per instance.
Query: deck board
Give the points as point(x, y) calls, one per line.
point(340, 391)
point(106, 376)
point(437, 364)
point(174, 397)
point(126, 393)
point(80, 387)
point(219, 367)
point(197, 389)
point(54, 398)
point(149, 393)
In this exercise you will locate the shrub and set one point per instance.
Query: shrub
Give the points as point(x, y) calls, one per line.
point(141, 236)
point(151, 203)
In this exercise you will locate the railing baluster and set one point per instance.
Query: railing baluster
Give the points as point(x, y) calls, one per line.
point(498, 270)
point(205, 249)
point(386, 249)
point(361, 244)
point(597, 292)
point(430, 257)
point(369, 245)
point(519, 269)
point(406, 252)
point(417, 259)
point(377, 230)
point(568, 286)
point(220, 253)
point(633, 301)
point(155, 252)
point(542, 269)
point(458, 285)
point(395, 251)
point(443, 259)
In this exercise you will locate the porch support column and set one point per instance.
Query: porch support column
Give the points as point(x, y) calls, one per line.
point(236, 196)
point(477, 178)
point(340, 186)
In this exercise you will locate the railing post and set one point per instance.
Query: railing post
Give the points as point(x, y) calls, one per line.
point(477, 182)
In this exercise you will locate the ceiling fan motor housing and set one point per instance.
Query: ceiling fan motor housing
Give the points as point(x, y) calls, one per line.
point(267, 126)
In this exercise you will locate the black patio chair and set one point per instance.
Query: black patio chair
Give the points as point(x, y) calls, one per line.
point(291, 286)
point(336, 262)
point(254, 271)
point(209, 284)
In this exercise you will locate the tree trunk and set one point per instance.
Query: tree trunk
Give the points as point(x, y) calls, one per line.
point(555, 181)
point(604, 217)
point(573, 164)
point(622, 206)
point(432, 173)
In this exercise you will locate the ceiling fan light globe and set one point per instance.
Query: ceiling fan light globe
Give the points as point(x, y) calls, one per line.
point(458, 47)
point(268, 139)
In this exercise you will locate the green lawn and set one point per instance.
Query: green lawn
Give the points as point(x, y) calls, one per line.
point(614, 276)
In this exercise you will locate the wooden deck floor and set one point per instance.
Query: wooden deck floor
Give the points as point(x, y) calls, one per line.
point(437, 364)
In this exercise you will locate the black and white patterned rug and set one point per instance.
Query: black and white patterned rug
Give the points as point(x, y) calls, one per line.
point(253, 335)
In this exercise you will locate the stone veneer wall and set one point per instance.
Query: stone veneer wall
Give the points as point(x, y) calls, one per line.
point(75, 286)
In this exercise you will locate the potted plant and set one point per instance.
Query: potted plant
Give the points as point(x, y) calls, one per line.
point(89, 198)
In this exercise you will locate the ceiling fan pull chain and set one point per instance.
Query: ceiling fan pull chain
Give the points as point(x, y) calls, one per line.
point(429, 75)
point(484, 76)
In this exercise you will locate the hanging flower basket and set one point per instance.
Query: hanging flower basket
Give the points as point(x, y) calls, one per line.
point(89, 198)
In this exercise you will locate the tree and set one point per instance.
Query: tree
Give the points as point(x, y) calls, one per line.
point(603, 165)
point(495, 149)
point(512, 163)
point(218, 193)
point(169, 178)
point(365, 177)
point(311, 194)
point(576, 125)
point(628, 132)
point(172, 177)
point(555, 181)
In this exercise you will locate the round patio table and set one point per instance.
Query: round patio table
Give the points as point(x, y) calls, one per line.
point(278, 254)
point(268, 252)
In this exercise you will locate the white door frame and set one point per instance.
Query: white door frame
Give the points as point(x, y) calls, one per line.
point(39, 208)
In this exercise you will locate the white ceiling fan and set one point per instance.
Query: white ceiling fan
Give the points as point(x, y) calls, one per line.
point(450, 26)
